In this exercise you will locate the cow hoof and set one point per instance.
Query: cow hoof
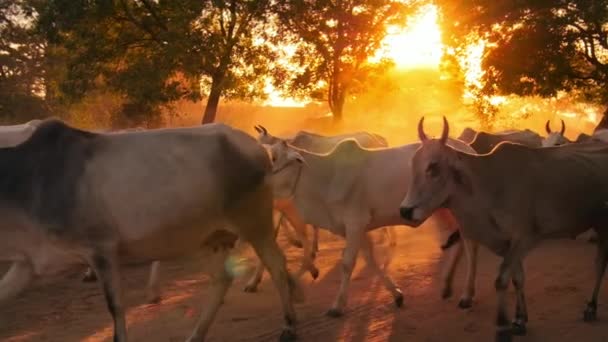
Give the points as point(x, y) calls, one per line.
point(446, 293)
point(89, 277)
point(287, 336)
point(518, 328)
point(314, 273)
point(465, 303)
point(334, 313)
point(399, 300)
point(250, 288)
point(590, 314)
point(504, 335)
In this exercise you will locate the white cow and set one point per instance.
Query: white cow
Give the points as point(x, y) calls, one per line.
point(348, 191)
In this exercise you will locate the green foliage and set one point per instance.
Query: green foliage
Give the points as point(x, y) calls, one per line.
point(155, 52)
point(535, 47)
point(334, 41)
point(22, 64)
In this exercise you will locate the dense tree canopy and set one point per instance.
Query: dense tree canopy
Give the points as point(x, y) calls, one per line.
point(156, 52)
point(535, 47)
point(334, 41)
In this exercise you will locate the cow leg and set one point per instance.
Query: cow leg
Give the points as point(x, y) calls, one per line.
point(601, 260)
point(153, 289)
point(392, 236)
point(315, 242)
point(513, 256)
point(454, 255)
point(521, 310)
point(16, 279)
point(471, 249)
point(287, 286)
point(107, 269)
point(368, 253)
point(256, 226)
point(300, 229)
point(354, 235)
point(220, 282)
point(254, 281)
point(89, 275)
point(291, 238)
point(256, 278)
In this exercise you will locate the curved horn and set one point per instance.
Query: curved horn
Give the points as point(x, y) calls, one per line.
point(563, 128)
point(547, 127)
point(257, 128)
point(421, 135)
point(446, 131)
point(263, 129)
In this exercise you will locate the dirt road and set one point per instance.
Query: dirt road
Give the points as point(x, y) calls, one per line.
point(559, 281)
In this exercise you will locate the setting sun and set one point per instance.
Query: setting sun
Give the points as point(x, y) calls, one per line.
point(418, 45)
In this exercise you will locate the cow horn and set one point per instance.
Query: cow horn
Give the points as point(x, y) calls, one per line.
point(547, 127)
point(263, 129)
point(446, 130)
point(421, 135)
point(257, 128)
point(563, 127)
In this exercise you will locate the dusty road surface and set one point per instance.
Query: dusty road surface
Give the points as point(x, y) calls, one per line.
point(559, 281)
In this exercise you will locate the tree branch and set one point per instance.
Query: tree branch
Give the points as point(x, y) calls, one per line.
point(152, 12)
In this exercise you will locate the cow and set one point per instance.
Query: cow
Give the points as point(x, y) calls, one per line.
point(468, 134)
point(582, 138)
point(319, 144)
point(69, 196)
point(482, 143)
point(555, 138)
point(510, 211)
point(348, 191)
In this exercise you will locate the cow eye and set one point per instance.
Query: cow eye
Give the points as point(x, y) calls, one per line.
point(433, 169)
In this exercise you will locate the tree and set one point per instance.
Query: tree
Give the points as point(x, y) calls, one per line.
point(334, 40)
point(157, 52)
point(22, 62)
point(534, 47)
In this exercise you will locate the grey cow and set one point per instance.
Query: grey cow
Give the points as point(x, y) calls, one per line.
point(69, 196)
point(482, 143)
point(510, 211)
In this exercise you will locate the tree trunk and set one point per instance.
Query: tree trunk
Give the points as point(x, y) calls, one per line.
point(337, 109)
point(213, 100)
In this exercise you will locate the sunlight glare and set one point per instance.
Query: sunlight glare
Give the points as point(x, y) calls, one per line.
point(418, 45)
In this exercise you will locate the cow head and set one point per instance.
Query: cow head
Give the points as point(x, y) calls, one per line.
point(433, 177)
point(264, 137)
point(554, 138)
point(287, 165)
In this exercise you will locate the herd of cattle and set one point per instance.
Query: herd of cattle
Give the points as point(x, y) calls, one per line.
point(72, 197)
